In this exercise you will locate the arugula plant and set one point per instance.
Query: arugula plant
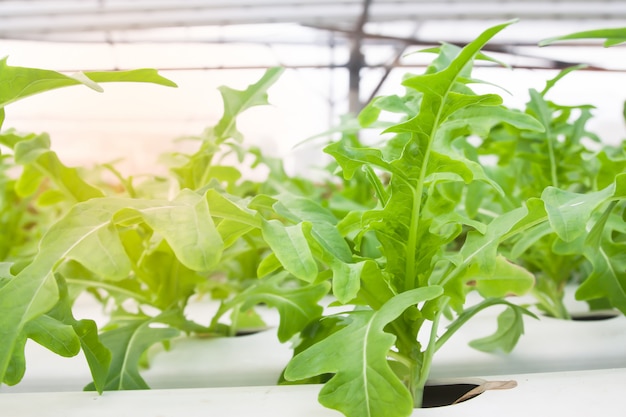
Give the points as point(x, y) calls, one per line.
point(375, 359)
point(612, 36)
point(36, 186)
point(415, 276)
point(524, 164)
point(143, 256)
point(603, 247)
point(566, 156)
point(34, 179)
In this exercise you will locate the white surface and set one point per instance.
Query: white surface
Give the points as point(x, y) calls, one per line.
point(548, 345)
point(572, 394)
point(251, 360)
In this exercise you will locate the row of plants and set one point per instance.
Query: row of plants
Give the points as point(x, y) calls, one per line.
point(458, 193)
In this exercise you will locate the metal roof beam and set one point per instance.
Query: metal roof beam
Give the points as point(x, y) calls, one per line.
point(124, 15)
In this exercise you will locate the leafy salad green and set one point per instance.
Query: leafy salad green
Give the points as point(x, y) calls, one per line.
point(415, 222)
point(430, 249)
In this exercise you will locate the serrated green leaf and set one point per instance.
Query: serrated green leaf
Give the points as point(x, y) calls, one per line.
point(297, 306)
point(87, 235)
point(187, 225)
point(346, 280)
point(55, 336)
point(363, 384)
point(291, 249)
point(569, 212)
point(237, 101)
point(127, 345)
point(86, 333)
point(506, 279)
point(482, 248)
point(608, 259)
point(17, 83)
point(481, 119)
point(375, 287)
point(224, 207)
point(552, 82)
point(613, 36)
point(145, 75)
point(97, 355)
point(39, 162)
point(268, 265)
point(352, 159)
point(510, 329)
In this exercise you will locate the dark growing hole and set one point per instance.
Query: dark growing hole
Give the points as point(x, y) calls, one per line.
point(440, 395)
point(251, 331)
point(595, 315)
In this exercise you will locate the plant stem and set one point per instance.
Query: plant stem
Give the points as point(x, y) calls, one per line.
point(401, 359)
point(465, 317)
point(420, 376)
point(553, 167)
point(377, 184)
point(109, 287)
point(553, 305)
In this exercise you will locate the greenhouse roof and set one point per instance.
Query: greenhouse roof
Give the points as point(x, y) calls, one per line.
point(137, 20)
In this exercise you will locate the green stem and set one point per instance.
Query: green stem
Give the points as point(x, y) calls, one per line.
point(110, 288)
point(410, 272)
point(465, 317)
point(401, 359)
point(553, 167)
point(224, 307)
point(379, 188)
point(553, 305)
point(459, 268)
point(232, 331)
point(419, 378)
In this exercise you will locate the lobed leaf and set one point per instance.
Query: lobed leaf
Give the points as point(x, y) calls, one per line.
point(237, 101)
point(298, 306)
point(17, 83)
point(608, 260)
point(127, 344)
point(290, 246)
point(613, 36)
point(510, 329)
point(505, 280)
point(363, 384)
point(87, 234)
point(569, 212)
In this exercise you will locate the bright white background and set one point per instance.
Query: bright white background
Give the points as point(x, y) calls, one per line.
point(138, 122)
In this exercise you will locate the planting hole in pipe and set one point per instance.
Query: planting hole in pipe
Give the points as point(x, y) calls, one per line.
point(595, 315)
point(440, 394)
point(250, 331)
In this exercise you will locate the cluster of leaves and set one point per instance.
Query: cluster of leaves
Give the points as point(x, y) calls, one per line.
point(432, 240)
point(416, 222)
point(524, 164)
point(565, 155)
point(142, 254)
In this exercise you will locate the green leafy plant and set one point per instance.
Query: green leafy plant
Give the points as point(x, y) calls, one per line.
point(418, 252)
point(612, 36)
point(524, 164)
point(415, 275)
point(36, 186)
point(564, 155)
point(144, 256)
point(399, 243)
point(35, 304)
